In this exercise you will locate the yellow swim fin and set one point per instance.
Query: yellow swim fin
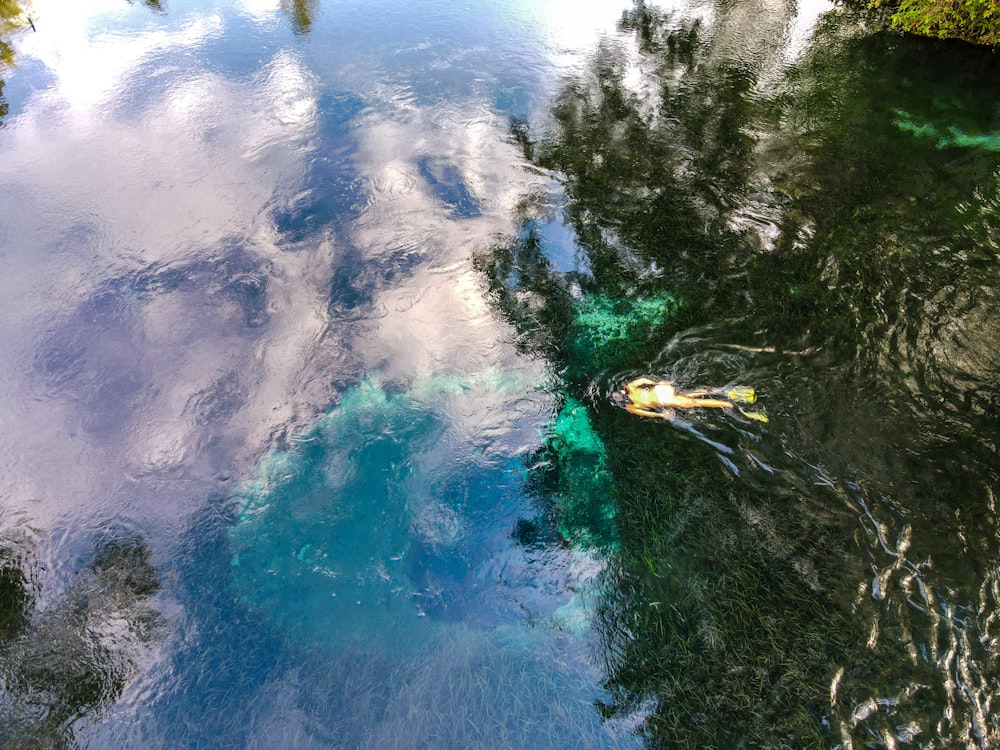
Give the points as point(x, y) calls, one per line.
point(742, 394)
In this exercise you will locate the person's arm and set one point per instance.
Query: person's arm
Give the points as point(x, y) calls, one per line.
point(642, 412)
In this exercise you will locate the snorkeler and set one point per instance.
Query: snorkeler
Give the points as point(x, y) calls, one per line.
point(652, 398)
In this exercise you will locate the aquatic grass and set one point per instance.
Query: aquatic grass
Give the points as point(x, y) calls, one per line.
point(734, 641)
point(739, 651)
point(585, 491)
point(487, 691)
point(731, 604)
point(606, 331)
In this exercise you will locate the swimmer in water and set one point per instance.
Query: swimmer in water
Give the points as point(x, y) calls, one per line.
point(659, 398)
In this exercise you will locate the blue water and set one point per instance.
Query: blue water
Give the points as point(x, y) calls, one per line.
point(309, 313)
point(242, 330)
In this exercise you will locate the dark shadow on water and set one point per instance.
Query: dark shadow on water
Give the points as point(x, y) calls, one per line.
point(826, 235)
point(64, 665)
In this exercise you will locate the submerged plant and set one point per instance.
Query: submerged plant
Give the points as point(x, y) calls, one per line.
point(947, 137)
point(855, 272)
point(584, 485)
point(605, 331)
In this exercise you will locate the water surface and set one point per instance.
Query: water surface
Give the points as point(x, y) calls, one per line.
point(310, 313)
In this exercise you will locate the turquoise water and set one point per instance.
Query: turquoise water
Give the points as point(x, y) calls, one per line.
point(310, 316)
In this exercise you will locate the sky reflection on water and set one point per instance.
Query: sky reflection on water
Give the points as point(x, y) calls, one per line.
point(251, 343)
point(215, 230)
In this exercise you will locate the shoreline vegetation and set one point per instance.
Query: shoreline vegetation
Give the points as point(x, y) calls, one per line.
point(972, 21)
point(13, 18)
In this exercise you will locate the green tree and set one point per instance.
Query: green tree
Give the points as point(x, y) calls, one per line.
point(976, 21)
point(12, 19)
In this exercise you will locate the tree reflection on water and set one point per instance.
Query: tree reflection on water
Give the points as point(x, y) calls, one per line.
point(300, 13)
point(10, 20)
point(838, 582)
point(64, 662)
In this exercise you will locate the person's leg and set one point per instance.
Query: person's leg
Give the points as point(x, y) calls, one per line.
point(685, 402)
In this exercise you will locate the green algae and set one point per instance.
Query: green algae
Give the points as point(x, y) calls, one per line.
point(946, 137)
point(585, 484)
point(605, 330)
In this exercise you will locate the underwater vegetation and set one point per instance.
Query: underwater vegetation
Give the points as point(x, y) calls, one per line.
point(328, 522)
point(946, 137)
point(783, 603)
point(369, 540)
point(606, 331)
point(553, 312)
point(571, 476)
point(475, 688)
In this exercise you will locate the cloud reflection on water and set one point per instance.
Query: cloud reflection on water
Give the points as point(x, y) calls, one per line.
point(138, 241)
point(166, 325)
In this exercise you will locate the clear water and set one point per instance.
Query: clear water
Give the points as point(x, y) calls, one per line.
point(309, 316)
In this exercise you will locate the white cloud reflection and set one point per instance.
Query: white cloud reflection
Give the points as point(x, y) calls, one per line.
point(437, 319)
point(128, 228)
point(90, 65)
point(135, 225)
point(160, 328)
